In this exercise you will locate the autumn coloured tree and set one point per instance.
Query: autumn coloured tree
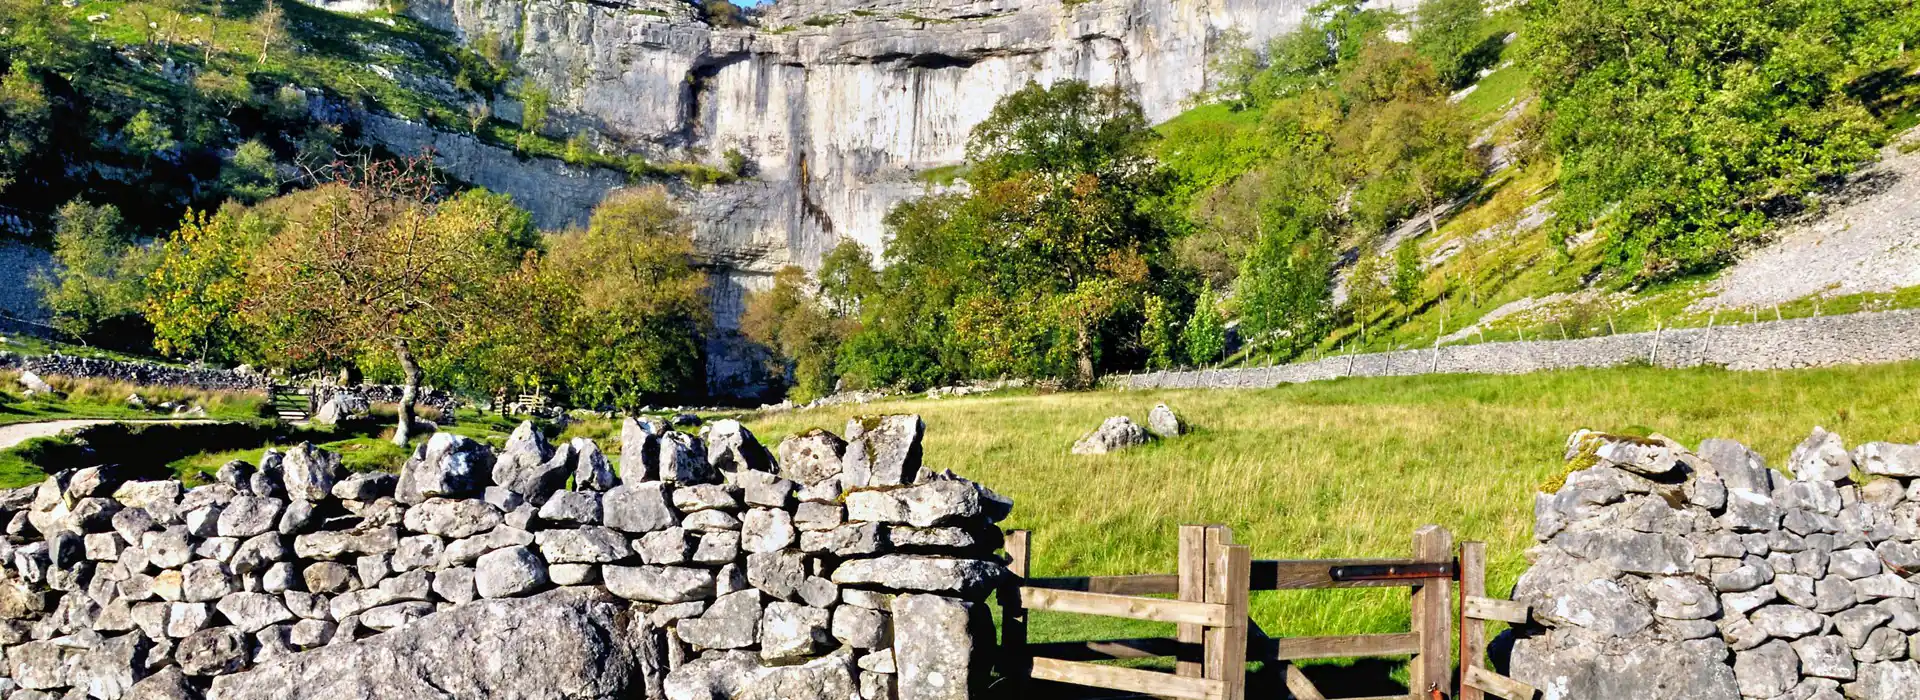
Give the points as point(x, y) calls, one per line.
point(381, 260)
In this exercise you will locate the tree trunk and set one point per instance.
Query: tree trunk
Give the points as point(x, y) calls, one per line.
point(409, 392)
point(1085, 360)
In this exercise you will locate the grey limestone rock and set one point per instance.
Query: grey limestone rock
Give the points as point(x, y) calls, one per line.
point(922, 573)
point(509, 572)
point(658, 584)
point(571, 644)
point(794, 631)
point(731, 622)
point(811, 457)
point(1115, 434)
point(933, 647)
point(310, 472)
point(1164, 423)
point(882, 451)
point(447, 465)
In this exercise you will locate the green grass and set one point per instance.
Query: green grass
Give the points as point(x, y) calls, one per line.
point(1350, 467)
point(1497, 92)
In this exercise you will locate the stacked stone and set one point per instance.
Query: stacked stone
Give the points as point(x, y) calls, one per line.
point(844, 569)
point(1673, 574)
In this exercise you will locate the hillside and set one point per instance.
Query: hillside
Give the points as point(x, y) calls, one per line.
point(1500, 263)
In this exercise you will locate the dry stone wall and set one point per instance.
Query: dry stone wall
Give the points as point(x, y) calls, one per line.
point(1865, 338)
point(1704, 575)
point(701, 567)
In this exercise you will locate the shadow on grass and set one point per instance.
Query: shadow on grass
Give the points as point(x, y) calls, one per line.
point(145, 450)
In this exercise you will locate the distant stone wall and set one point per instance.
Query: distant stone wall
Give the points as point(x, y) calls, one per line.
point(705, 567)
point(1865, 338)
point(58, 365)
point(1704, 575)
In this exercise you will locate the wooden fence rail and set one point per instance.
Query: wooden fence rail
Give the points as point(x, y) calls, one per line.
point(1214, 639)
point(291, 403)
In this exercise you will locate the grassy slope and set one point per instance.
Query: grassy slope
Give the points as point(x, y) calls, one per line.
point(1351, 467)
point(97, 399)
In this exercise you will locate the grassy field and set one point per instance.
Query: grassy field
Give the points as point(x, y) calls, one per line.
point(1350, 467)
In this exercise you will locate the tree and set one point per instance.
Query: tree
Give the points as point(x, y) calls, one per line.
point(251, 174)
point(147, 135)
point(381, 261)
point(1285, 286)
point(1040, 268)
point(1159, 334)
point(23, 120)
point(270, 24)
point(1206, 334)
point(804, 334)
point(1447, 32)
point(847, 277)
point(1407, 274)
point(97, 284)
point(1367, 293)
point(631, 303)
point(1680, 125)
point(195, 294)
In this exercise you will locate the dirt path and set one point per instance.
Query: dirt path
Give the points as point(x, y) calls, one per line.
point(11, 435)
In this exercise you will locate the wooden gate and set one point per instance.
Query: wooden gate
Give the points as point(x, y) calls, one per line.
point(1211, 651)
point(293, 404)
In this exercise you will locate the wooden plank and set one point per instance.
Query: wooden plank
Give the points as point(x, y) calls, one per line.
point(1479, 678)
point(1480, 607)
point(1302, 688)
point(1126, 679)
point(1341, 646)
point(1111, 649)
point(1473, 633)
point(1142, 584)
point(1307, 574)
point(1432, 666)
point(1130, 607)
point(1015, 659)
point(1193, 587)
point(1226, 647)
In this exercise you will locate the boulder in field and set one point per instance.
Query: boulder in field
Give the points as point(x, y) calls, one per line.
point(1114, 434)
point(1164, 423)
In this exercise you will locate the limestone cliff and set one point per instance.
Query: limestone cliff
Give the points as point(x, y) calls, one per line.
point(840, 106)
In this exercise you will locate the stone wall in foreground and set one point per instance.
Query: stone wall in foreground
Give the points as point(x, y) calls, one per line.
point(1852, 339)
point(1704, 575)
point(702, 567)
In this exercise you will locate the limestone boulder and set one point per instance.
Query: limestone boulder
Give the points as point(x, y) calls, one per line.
point(572, 644)
point(1114, 434)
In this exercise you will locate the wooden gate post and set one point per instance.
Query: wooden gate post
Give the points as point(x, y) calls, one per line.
point(1473, 634)
point(1431, 618)
point(1193, 587)
point(1016, 663)
point(1227, 581)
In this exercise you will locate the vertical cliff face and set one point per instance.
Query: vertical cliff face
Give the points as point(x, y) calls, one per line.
point(840, 106)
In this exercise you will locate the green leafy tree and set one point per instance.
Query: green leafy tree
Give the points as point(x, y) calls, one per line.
point(631, 304)
point(847, 277)
point(804, 334)
point(252, 173)
point(146, 135)
point(1680, 125)
point(1447, 33)
point(195, 294)
point(1285, 288)
point(1407, 274)
point(1160, 334)
point(24, 112)
point(1041, 268)
point(1367, 292)
point(1206, 332)
point(98, 280)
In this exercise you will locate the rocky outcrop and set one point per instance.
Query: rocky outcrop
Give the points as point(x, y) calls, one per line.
point(1705, 575)
point(840, 108)
point(694, 571)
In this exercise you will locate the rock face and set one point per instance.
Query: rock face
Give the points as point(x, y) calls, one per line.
point(1705, 575)
point(840, 107)
point(565, 645)
point(448, 582)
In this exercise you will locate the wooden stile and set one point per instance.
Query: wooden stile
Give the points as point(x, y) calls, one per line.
point(1015, 659)
point(1476, 681)
point(1340, 647)
point(1432, 666)
point(1226, 647)
point(1130, 607)
point(1301, 688)
point(1479, 607)
point(1128, 679)
point(1479, 679)
point(1193, 587)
